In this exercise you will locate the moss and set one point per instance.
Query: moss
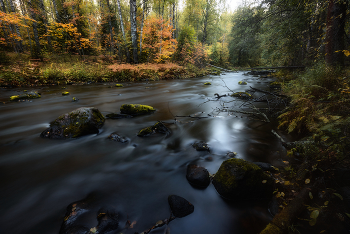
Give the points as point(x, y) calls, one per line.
point(65, 93)
point(271, 229)
point(145, 132)
point(242, 83)
point(242, 95)
point(240, 179)
point(31, 95)
point(136, 109)
point(118, 85)
point(207, 83)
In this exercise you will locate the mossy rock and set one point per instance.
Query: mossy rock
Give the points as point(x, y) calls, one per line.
point(30, 95)
point(238, 179)
point(242, 83)
point(136, 109)
point(242, 95)
point(118, 85)
point(65, 93)
point(80, 122)
point(207, 83)
point(159, 127)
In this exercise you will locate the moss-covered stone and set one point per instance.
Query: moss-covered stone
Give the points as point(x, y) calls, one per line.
point(242, 95)
point(118, 85)
point(136, 109)
point(159, 127)
point(30, 95)
point(242, 180)
point(65, 93)
point(242, 83)
point(207, 83)
point(82, 121)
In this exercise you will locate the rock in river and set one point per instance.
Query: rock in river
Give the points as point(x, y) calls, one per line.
point(200, 146)
point(198, 176)
point(136, 109)
point(82, 121)
point(238, 179)
point(159, 127)
point(179, 206)
point(116, 137)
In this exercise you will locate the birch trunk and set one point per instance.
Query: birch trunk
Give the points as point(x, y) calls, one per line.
point(123, 31)
point(133, 11)
point(111, 42)
point(142, 22)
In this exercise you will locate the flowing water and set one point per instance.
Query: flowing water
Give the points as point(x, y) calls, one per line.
point(40, 177)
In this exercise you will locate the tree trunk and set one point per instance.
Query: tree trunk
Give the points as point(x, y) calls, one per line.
point(336, 17)
point(46, 23)
point(16, 29)
point(37, 50)
point(205, 32)
point(174, 24)
point(123, 31)
point(57, 15)
point(24, 12)
point(3, 9)
point(133, 11)
point(111, 42)
point(142, 22)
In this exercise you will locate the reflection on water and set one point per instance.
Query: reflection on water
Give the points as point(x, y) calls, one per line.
point(40, 177)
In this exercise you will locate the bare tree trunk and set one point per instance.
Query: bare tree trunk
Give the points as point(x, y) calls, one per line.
point(174, 24)
point(46, 23)
point(16, 29)
point(133, 12)
point(123, 31)
point(57, 15)
point(335, 32)
point(37, 49)
point(142, 22)
point(24, 12)
point(205, 32)
point(111, 42)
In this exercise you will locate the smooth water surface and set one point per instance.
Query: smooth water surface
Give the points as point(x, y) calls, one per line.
point(40, 177)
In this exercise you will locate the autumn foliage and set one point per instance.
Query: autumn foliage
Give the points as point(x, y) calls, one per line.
point(158, 44)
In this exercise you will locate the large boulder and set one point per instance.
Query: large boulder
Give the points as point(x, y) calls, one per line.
point(30, 95)
point(238, 179)
point(82, 121)
point(136, 109)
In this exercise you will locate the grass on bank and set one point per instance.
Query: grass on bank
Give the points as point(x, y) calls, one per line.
point(20, 70)
point(320, 113)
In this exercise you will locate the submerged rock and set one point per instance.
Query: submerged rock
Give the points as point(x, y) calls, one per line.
point(136, 109)
point(242, 83)
point(65, 93)
point(242, 180)
point(115, 137)
point(108, 220)
point(242, 95)
point(207, 83)
point(82, 121)
point(179, 206)
point(118, 85)
point(200, 146)
point(118, 116)
point(159, 127)
point(198, 176)
point(30, 95)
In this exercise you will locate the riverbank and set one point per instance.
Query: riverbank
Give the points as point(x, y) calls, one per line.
point(313, 189)
point(18, 70)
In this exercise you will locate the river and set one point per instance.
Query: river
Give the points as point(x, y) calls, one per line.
point(40, 177)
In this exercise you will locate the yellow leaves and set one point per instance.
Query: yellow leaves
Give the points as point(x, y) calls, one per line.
point(346, 52)
point(307, 181)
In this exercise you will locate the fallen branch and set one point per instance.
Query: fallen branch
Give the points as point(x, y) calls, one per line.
point(160, 223)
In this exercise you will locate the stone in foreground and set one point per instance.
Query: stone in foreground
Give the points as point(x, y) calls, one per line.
point(136, 109)
point(179, 206)
point(238, 179)
point(198, 176)
point(159, 127)
point(80, 122)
